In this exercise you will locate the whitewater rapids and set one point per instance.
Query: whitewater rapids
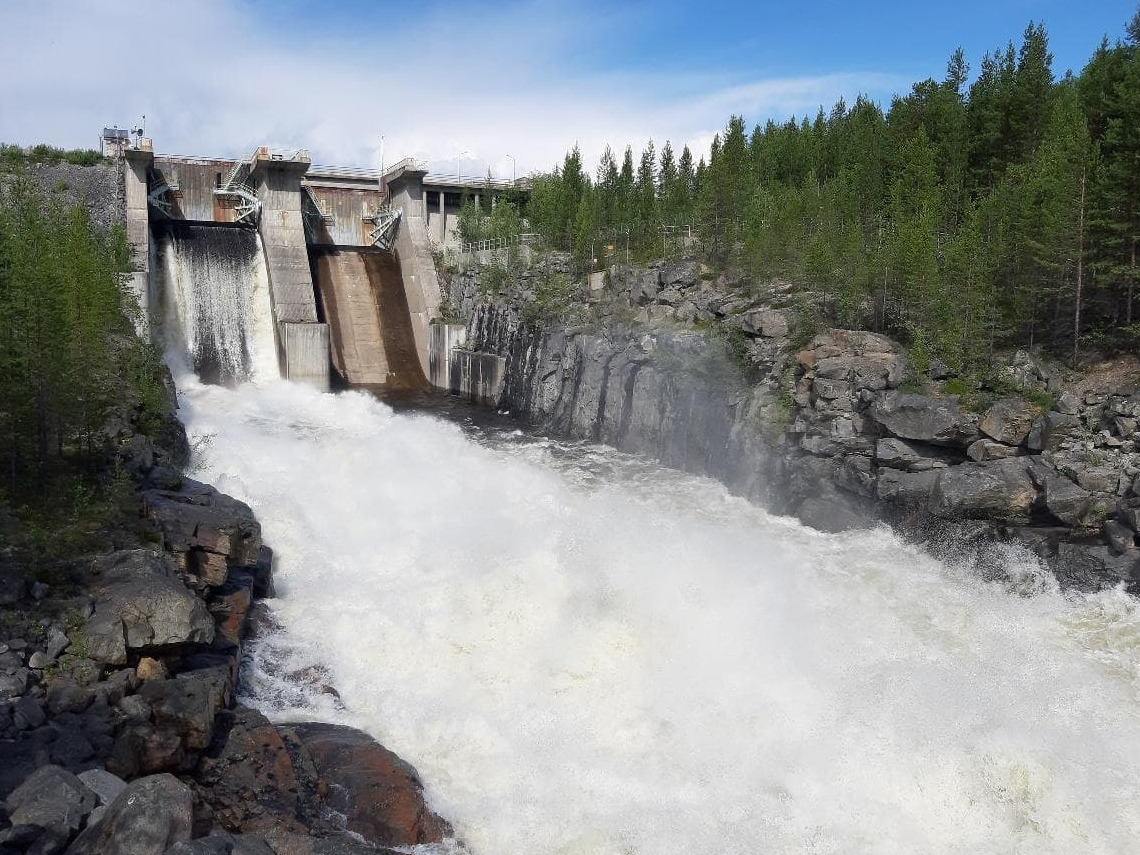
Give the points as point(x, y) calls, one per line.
point(583, 653)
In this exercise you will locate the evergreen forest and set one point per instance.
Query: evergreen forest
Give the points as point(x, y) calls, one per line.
point(68, 353)
point(979, 211)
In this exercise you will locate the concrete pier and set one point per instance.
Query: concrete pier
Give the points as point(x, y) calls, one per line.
point(137, 163)
point(413, 249)
point(277, 181)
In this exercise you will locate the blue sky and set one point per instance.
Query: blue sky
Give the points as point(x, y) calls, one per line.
point(466, 85)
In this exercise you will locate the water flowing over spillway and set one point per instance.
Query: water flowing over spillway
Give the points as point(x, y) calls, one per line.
point(583, 653)
point(213, 298)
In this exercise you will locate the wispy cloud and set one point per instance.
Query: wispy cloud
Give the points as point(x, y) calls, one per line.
point(218, 77)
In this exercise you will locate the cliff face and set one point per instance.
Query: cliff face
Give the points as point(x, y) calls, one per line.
point(837, 431)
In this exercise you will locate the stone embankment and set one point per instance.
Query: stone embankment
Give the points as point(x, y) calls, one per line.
point(119, 732)
point(835, 427)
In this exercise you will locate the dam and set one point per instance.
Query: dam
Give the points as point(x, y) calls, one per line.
point(342, 255)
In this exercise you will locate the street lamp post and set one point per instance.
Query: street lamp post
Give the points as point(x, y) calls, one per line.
point(514, 176)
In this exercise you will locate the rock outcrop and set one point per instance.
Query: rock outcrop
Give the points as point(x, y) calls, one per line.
point(706, 377)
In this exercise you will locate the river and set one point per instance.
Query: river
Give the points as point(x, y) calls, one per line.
point(582, 652)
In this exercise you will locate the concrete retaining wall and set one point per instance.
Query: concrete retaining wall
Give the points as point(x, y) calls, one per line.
point(445, 338)
point(305, 353)
point(477, 376)
point(417, 268)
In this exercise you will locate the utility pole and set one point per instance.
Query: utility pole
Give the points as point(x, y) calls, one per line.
point(514, 170)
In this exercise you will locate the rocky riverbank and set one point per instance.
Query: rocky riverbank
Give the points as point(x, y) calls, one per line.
point(720, 375)
point(118, 727)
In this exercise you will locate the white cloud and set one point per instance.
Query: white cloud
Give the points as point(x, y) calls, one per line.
point(215, 79)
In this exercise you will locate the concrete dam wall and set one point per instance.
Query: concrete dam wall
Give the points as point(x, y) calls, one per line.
point(362, 299)
point(338, 300)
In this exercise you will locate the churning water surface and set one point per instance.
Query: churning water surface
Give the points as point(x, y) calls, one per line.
point(584, 653)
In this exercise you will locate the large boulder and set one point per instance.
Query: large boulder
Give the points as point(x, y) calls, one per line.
point(900, 454)
point(142, 604)
point(911, 489)
point(1052, 430)
point(939, 421)
point(199, 519)
point(870, 361)
point(185, 706)
point(147, 818)
point(379, 794)
point(998, 490)
point(246, 777)
point(768, 323)
point(1009, 420)
point(53, 801)
point(1071, 503)
point(1090, 567)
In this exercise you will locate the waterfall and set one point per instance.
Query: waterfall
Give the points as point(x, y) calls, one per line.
point(213, 298)
point(582, 652)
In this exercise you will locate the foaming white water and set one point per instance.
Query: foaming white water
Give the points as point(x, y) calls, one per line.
point(214, 293)
point(584, 654)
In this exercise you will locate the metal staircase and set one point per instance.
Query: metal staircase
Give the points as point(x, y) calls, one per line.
point(384, 224)
point(246, 204)
point(158, 195)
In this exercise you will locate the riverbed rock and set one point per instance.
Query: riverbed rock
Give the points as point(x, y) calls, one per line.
point(379, 794)
point(52, 800)
point(999, 490)
point(900, 454)
point(246, 777)
point(148, 817)
point(142, 604)
point(198, 516)
point(938, 421)
point(103, 784)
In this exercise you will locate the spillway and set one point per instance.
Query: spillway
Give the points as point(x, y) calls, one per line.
point(362, 299)
point(585, 653)
point(213, 301)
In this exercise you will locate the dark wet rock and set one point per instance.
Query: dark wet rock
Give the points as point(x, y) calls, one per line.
point(900, 454)
point(939, 421)
point(71, 748)
point(379, 794)
point(285, 843)
point(66, 695)
point(148, 817)
point(229, 605)
point(1000, 490)
point(246, 777)
point(912, 489)
point(224, 843)
point(51, 799)
point(1119, 537)
point(103, 784)
point(1069, 502)
point(198, 516)
point(1086, 567)
point(11, 584)
point(185, 706)
point(142, 604)
point(28, 713)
